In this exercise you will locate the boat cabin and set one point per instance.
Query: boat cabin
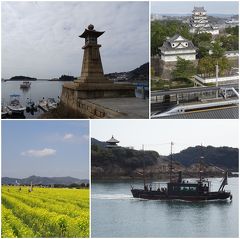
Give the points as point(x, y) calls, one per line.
point(185, 188)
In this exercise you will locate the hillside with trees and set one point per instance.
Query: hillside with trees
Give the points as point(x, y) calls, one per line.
point(122, 162)
point(210, 52)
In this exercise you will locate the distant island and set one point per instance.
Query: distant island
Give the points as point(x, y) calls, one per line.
point(127, 163)
point(64, 78)
point(22, 78)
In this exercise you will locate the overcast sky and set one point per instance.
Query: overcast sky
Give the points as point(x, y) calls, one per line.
point(157, 134)
point(40, 39)
point(45, 148)
point(186, 7)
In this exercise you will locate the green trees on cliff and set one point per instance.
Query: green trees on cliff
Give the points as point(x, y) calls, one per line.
point(160, 30)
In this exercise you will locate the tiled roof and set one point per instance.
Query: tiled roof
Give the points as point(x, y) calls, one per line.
point(167, 44)
point(199, 9)
point(112, 140)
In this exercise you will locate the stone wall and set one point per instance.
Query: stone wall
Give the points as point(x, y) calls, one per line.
point(70, 99)
point(164, 69)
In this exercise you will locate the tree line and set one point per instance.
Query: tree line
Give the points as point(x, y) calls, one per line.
point(210, 51)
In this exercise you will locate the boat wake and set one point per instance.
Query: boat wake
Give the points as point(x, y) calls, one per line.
point(112, 196)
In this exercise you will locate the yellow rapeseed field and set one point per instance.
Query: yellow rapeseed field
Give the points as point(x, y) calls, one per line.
point(45, 212)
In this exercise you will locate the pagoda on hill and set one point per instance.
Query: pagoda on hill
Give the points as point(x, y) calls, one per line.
point(112, 143)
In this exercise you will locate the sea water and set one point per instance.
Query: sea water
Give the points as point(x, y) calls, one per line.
point(115, 213)
point(36, 92)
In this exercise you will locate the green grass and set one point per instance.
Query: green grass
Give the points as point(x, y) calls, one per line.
point(158, 84)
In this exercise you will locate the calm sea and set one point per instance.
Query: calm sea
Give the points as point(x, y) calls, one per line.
point(116, 214)
point(38, 90)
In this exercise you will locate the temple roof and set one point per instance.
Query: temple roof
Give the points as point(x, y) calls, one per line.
point(91, 32)
point(112, 140)
point(178, 40)
point(199, 9)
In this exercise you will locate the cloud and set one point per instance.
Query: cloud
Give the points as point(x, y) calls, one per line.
point(68, 136)
point(75, 138)
point(45, 29)
point(39, 153)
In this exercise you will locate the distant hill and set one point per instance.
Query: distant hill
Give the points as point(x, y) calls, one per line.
point(124, 162)
point(140, 74)
point(44, 180)
point(224, 157)
point(22, 78)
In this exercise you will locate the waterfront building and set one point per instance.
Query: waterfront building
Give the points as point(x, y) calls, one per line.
point(177, 46)
point(112, 143)
point(199, 22)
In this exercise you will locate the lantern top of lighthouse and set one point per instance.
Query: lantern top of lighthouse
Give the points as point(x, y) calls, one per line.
point(91, 32)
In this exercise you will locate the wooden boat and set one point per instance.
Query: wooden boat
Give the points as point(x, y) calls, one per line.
point(183, 190)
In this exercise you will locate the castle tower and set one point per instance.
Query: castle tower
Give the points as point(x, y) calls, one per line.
point(199, 22)
point(92, 70)
point(199, 19)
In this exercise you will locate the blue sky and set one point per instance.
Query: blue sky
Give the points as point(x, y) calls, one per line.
point(45, 148)
point(40, 39)
point(157, 134)
point(186, 7)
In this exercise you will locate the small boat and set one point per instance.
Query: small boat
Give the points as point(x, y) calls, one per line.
point(15, 106)
point(30, 105)
point(43, 105)
point(48, 104)
point(4, 112)
point(25, 84)
point(179, 189)
point(51, 103)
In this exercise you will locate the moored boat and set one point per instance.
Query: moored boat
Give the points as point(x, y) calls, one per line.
point(14, 105)
point(30, 105)
point(25, 84)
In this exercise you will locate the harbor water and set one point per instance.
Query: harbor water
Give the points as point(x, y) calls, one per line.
point(115, 213)
point(36, 92)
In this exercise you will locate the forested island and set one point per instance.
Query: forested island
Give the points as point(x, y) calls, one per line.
point(127, 163)
point(22, 78)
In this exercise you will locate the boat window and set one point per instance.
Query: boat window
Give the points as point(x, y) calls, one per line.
point(184, 188)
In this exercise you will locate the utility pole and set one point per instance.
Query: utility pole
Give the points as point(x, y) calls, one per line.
point(217, 79)
point(200, 164)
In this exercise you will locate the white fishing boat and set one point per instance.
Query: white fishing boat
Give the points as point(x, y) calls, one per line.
point(51, 103)
point(25, 84)
point(43, 105)
point(14, 105)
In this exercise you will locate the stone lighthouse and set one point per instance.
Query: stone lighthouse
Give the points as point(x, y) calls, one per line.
point(92, 70)
point(92, 83)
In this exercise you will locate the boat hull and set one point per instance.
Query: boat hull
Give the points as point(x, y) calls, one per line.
point(16, 110)
point(157, 195)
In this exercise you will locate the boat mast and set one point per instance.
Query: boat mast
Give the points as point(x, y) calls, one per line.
point(171, 167)
point(144, 179)
point(200, 164)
